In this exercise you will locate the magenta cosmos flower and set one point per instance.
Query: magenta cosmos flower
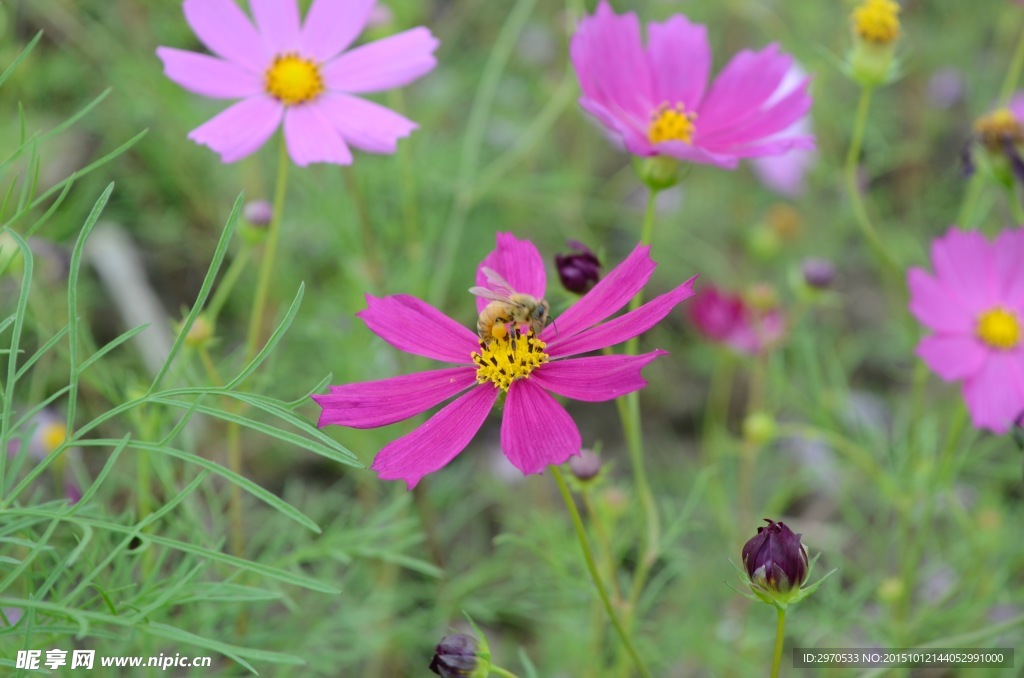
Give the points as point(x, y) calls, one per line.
point(298, 74)
point(974, 306)
point(653, 102)
point(729, 320)
point(535, 430)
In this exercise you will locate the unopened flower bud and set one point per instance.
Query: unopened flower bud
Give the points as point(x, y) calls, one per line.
point(763, 242)
point(876, 28)
point(200, 333)
point(758, 428)
point(818, 273)
point(776, 561)
point(658, 171)
point(586, 465)
point(456, 656)
point(580, 270)
point(258, 213)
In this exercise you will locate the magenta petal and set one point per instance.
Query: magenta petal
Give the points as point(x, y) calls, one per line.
point(594, 379)
point(208, 76)
point(624, 132)
point(624, 327)
point(680, 61)
point(966, 264)
point(518, 262)
point(689, 153)
point(535, 430)
point(312, 138)
point(935, 306)
point(741, 89)
point(332, 25)
point(241, 129)
point(391, 62)
point(438, 440)
point(609, 295)
point(367, 126)
point(379, 403)
point(278, 23)
point(952, 357)
point(227, 32)
point(995, 395)
point(1010, 267)
point(416, 327)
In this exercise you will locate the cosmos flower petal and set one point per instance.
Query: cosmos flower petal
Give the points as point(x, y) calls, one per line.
point(609, 295)
point(518, 262)
point(390, 62)
point(416, 327)
point(628, 135)
point(332, 25)
point(965, 262)
point(438, 441)
point(770, 122)
point(786, 173)
point(240, 129)
point(688, 152)
point(995, 395)
point(1010, 267)
point(952, 357)
point(624, 327)
point(742, 88)
point(595, 379)
point(935, 306)
point(312, 138)
point(535, 430)
point(681, 60)
point(208, 76)
point(379, 403)
point(368, 126)
point(278, 23)
point(227, 32)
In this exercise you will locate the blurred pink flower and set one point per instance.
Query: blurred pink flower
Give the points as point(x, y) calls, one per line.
point(785, 173)
point(298, 74)
point(974, 305)
point(48, 433)
point(652, 101)
point(729, 320)
point(536, 430)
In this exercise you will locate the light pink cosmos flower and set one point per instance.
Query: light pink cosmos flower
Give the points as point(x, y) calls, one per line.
point(299, 74)
point(536, 430)
point(974, 305)
point(729, 320)
point(786, 173)
point(652, 100)
point(48, 433)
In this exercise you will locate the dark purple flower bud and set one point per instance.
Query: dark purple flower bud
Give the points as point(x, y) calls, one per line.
point(455, 656)
point(775, 559)
point(578, 271)
point(586, 465)
point(819, 273)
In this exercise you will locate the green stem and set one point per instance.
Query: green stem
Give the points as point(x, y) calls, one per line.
point(259, 302)
point(853, 189)
point(227, 284)
point(1013, 74)
point(504, 673)
point(780, 634)
point(1014, 202)
point(588, 556)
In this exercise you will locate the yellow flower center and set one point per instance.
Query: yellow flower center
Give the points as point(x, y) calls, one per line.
point(293, 80)
point(52, 436)
point(504, 359)
point(998, 127)
point(671, 124)
point(877, 21)
point(999, 328)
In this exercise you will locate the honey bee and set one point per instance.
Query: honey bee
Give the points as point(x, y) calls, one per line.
point(507, 307)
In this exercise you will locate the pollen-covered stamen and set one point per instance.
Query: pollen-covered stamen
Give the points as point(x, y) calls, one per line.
point(877, 21)
point(998, 128)
point(999, 328)
point(505, 359)
point(293, 80)
point(671, 123)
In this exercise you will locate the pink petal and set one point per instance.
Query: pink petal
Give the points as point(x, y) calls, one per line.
point(1017, 106)
point(518, 262)
point(416, 327)
point(1010, 267)
point(367, 126)
point(378, 403)
point(594, 379)
point(394, 61)
point(625, 131)
point(786, 173)
point(690, 153)
point(610, 294)
point(952, 357)
point(965, 263)
point(624, 327)
point(995, 395)
point(312, 138)
point(208, 76)
point(227, 32)
point(241, 129)
point(435, 443)
point(278, 23)
point(332, 25)
point(936, 306)
point(535, 430)
point(741, 89)
point(767, 124)
point(680, 60)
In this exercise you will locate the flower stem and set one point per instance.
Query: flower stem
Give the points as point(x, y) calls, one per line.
point(1013, 73)
point(259, 302)
point(780, 634)
point(227, 284)
point(503, 673)
point(853, 189)
point(588, 556)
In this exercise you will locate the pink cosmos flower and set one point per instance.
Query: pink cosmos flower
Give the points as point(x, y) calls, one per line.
point(729, 320)
point(536, 430)
point(785, 173)
point(652, 100)
point(974, 305)
point(298, 74)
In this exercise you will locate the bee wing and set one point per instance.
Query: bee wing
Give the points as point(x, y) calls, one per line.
point(487, 294)
point(497, 283)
